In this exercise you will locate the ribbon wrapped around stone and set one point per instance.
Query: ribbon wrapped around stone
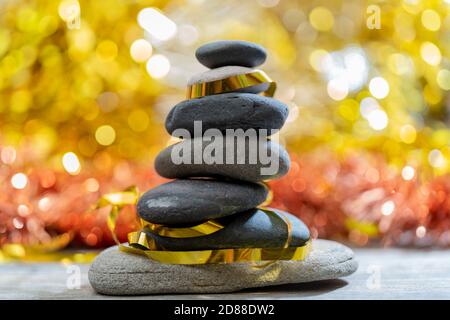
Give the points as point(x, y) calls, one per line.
point(232, 84)
point(140, 243)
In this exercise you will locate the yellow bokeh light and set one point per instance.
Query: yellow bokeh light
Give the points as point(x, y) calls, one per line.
point(105, 135)
point(378, 120)
point(440, 138)
point(321, 19)
point(400, 64)
point(158, 66)
point(138, 120)
point(348, 110)
point(268, 3)
point(408, 133)
point(71, 163)
point(157, 24)
point(436, 159)
point(69, 9)
point(408, 173)
point(412, 6)
point(431, 20)
point(81, 40)
point(379, 87)
point(19, 180)
point(141, 50)
point(21, 101)
point(432, 94)
point(443, 79)
point(337, 89)
point(430, 53)
point(317, 58)
point(367, 105)
point(107, 50)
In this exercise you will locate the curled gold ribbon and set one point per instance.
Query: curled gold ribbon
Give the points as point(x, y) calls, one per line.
point(140, 243)
point(250, 255)
point(202, 229)
point(117, 200)
point(269, 197)
point(286, 243)
point(140, 239)
point(232, 83)
point(46, 252)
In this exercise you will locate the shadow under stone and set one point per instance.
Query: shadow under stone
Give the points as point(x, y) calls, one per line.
point(307, 289)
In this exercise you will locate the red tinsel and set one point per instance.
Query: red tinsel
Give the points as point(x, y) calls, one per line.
point(358, 198)
point(54, 203)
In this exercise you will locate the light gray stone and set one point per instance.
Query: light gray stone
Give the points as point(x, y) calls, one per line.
point(231, 52)
point(245, 170)
point(189, 201)
point(225, 72)
point(117, 273)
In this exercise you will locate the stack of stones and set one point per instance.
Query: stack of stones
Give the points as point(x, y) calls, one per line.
point(225, 192)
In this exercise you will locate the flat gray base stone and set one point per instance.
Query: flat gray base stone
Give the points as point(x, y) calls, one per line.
point(117, 273)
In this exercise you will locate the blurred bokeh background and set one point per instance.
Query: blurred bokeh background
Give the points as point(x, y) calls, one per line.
point(85, 87)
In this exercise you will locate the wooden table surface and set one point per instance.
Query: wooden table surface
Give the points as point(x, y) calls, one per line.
point(382, 274)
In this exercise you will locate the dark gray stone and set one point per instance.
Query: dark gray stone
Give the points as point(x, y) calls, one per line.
point(207, 166)
point(118, 273)
point(228, 111)
point(231, 53)
point(255, 228)
point(198, 200)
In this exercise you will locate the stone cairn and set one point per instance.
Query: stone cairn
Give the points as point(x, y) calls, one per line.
point(226, 194)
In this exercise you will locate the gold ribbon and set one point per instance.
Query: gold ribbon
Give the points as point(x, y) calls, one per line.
point(46, 252)
point(117, 200)
point(269, 197)
point(140, 243)
point(251, 255)
point(232, 83)
point(140, 239)
point(202, 229)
